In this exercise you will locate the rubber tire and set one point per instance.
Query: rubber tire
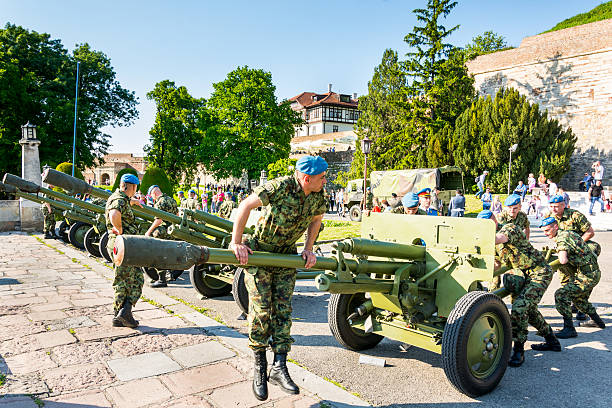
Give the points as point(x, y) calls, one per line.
point(62, 231)
point(455, 338)
point(91, 242)
point(151, 273)
point(239, 291)
point(355, 213)
point(73, 232)
point(102, 246)
point(199, 282)
point(339, 308)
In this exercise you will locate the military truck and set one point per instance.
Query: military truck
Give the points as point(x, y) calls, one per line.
point(385, 183)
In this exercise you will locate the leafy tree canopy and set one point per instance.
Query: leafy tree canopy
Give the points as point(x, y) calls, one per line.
point(281, 167)
point(485, 43)
point(127, 170)
point(37, 84)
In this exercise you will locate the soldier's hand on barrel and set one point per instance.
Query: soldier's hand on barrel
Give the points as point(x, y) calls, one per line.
point(241, 252)
point(309, 257)
point(134, 201)
point(116, 231)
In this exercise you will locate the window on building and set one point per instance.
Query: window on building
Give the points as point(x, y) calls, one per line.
point(335, 128)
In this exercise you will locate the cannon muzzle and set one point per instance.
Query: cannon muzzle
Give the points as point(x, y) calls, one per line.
point(23, 185)
point(72, 184)
point(6, 188)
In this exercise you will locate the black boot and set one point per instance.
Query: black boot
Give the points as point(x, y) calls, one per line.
point(581, 316)
point(518, 357)
point(161, 282)
point(279, 374)
point(124, 316)
point(595, 321)
point(551, 344)
point(260, 380)
point(568, 329)
point(174, 275)
point(48, 235)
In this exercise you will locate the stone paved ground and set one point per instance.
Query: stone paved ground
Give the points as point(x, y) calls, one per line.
point(58, 348)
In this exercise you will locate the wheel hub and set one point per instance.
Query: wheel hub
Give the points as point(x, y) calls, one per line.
point(484, 344)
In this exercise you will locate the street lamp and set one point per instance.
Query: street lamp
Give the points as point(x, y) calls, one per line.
point(512, 149)
point(365, 148)
point(28, 132)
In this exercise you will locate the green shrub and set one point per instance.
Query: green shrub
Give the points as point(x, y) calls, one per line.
point(66, 167)
point(601, 12)
point(156, 176)
point(128, 170)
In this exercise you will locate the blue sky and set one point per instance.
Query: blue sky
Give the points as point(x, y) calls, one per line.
point(305, 45)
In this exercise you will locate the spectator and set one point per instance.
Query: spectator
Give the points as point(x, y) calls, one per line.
point(531, 182)
point(456, 207)
point(542, 181)
point(487, 198)
point(537, 205)
point(375, 205)
point(596, 195)
point(205, 202)
point(552, 188)
point(520, 189)
point(386, 207)
point(497, 205)
point(332, 200)
point(436, 203)
point(480, 182)
point(599, 170)
point(340, 202)
point(586, 182)
point(566, 197)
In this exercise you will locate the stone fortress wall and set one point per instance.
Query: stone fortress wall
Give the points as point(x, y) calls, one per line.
point(569, 73)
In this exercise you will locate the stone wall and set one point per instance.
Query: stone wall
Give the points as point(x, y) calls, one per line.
point(337, 161)
point(9, 215)
point(569, 73)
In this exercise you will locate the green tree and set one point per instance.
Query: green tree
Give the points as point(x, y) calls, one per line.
point(175, 137)
point(484, 133)
point(127, 170)
point(250, 129)
point(156, 176)
point(281, 167)
point(485, 43)
point(37, 80)
point(66, 168)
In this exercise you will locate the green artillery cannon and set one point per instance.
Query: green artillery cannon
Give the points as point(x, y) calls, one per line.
point(388, 284)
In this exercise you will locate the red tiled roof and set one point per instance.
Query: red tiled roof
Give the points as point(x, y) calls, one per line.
point(329, 98)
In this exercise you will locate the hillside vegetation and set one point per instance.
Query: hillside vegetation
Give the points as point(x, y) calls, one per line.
point(601, 12)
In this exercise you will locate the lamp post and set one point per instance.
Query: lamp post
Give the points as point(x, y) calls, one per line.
point(512, 149)
point(365, 148)
point(76, 102)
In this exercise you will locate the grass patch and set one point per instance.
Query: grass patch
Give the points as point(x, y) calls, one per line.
point(151, 301)
point(71, 331)
point(601, 12)
point(2, 379)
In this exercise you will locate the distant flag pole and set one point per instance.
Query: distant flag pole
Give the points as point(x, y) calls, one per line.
point(76, 102)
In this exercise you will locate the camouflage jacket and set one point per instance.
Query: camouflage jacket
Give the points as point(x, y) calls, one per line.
point(400, 210)
point(521, 219)
point(167, 204)
point(572, 220)
point(121, 202)
point(225, 210)
point(578, 253)
point(369, 200)
point(190, 204)
point(287, 211)
point(98, 201)
point(517, 252)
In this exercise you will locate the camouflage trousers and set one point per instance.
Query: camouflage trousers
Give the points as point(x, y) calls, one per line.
point(49, 220)
point(270, 291)
point(576, 287)
point(525, 304)
point(128, 282)
point(161, 232)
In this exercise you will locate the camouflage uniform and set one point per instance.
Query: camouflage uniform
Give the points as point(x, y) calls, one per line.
point(49, 219)
point(400, 210)
point(287, 214)
point(190, 204)
point(167, 204)
point(528, 281)
point(573, 220)
point(369, 200)
point(128, 279)
point(579, 277)
point(503, 218)
point(225, 210)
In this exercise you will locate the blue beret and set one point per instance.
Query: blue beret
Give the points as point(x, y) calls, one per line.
point(192, 191)
point(547, 221)
point(151, 188)
point(311, 165)
point(410, 200)
point(556, 199)
point(424, 192)
point(130, 178)
point(512, 199)
point(486, 214)
point(180, 192)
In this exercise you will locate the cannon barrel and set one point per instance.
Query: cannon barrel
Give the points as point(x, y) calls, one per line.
point(133, 250)
point(75, 185)
point(364, 246)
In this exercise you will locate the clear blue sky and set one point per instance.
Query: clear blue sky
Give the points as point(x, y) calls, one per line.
point(304, 44)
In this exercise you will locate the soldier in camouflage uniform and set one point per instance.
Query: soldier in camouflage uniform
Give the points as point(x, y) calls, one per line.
point(225, 210)
point(159, 227)
point(511, 214)
point(578, 279)
point(192, 202)
point(572, 220)
point(292, 204)
point(120, 220)
point(410, 205)
point(369, 197)
point(527, 282)
point(49, 220)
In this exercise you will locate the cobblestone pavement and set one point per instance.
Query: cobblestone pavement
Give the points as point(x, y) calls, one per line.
point(58, 348)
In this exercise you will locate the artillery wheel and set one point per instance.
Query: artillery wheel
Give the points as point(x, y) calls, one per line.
point(91, 240)
point(76, 234)
point(239, 291)
point(476, 343)
point(62, 231)
point(340, 307)
point(103, 249)
point(206, 285)
point(355, 213)
point(151, 273)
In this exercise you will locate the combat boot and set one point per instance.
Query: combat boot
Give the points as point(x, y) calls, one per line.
point(518, 357)
point(568, 329)
point(279, 374)
point(175, 274)
point(260, 380)
point(48, 235)
point(581, 316)
point(125, 317)
point(594, 322)
point(551, 344)
point(161, 282)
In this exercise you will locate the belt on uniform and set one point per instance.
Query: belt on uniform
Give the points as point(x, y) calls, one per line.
point(588, 268)
point(262, 246)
